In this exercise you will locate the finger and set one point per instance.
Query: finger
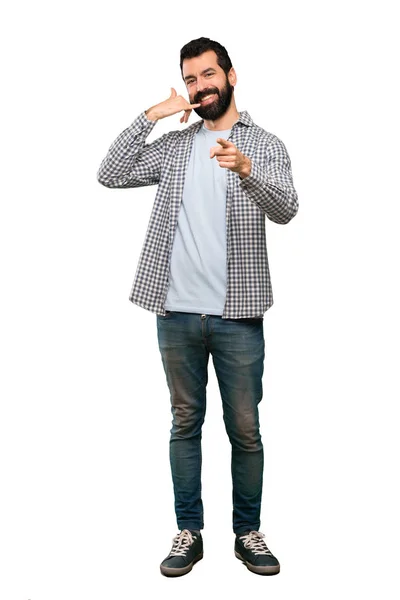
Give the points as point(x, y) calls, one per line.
point(185, 117)
point(226, 159)
point(219, 151)
point(224, 143)
point(173, 93)
point(214, 150)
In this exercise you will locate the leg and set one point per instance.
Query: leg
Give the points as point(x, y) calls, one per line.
point(185, 360)
point(238, 352)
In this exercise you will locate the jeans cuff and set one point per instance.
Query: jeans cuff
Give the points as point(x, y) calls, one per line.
point(190, 525)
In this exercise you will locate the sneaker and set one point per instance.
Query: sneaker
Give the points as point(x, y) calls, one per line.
point(252, 550)
point(187, 549)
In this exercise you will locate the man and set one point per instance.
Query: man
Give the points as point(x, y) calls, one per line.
point(204, 271)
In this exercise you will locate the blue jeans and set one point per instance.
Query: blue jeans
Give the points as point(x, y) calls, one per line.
point(237, 348)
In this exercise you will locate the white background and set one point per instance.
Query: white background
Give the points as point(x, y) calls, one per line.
point(86, 495)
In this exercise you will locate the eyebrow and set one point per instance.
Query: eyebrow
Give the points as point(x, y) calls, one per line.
point(202, 73)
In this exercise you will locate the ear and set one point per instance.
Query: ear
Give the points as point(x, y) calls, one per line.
point(232, 76)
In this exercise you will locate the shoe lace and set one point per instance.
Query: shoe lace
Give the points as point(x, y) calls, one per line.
point(182, 542)
point(255, 542)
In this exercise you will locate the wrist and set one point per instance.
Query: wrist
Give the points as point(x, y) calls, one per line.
point(151, 114)
point(246, 169)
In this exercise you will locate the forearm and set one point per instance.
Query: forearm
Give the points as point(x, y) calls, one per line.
point(118, 168)
point(277, 199)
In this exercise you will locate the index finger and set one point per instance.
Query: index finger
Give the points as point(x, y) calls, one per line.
point(224, 143)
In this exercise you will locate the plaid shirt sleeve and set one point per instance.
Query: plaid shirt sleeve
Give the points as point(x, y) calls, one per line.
point(270, 183)
point(131, 162)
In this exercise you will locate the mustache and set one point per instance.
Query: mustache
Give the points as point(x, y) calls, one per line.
point(200, 95)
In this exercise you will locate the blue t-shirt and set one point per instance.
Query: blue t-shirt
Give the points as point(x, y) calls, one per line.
point(197, 280)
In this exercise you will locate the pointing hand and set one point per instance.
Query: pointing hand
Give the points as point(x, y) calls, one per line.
point(231, 158)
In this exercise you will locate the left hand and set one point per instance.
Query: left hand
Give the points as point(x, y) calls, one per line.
point(231, 158)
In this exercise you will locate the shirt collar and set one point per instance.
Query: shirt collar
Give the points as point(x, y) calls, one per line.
point(245, 118)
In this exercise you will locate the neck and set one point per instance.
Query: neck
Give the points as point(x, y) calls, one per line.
point(226, 121)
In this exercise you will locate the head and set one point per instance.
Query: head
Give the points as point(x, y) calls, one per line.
point(207, 71)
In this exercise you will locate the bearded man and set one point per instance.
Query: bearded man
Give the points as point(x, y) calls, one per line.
point(204, 271)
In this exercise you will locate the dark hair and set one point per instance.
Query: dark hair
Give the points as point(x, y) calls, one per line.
point(197, 47)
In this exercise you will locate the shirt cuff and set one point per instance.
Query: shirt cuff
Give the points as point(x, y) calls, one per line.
point(255, 179)
point(143, 122)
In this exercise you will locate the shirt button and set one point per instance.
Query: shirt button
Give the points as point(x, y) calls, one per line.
point(203, 316)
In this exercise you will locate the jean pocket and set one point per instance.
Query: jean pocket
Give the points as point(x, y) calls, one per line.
point(166, 316)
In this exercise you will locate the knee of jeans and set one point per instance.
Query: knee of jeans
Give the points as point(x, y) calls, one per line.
point(244, 434)
point(186, 423)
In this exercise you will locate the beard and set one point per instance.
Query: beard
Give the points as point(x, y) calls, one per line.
point(216, 109)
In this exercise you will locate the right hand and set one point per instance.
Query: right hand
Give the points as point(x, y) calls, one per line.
point(171, 106)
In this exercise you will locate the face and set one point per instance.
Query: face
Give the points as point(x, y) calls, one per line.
point(207, 83)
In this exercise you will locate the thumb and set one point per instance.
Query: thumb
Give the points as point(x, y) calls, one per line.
point(212, 151)
point(173, 93)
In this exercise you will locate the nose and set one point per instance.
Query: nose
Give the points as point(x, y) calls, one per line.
point(200, 85)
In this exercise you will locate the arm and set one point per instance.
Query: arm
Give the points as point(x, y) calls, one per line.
point(131, 162)
point(271, 187)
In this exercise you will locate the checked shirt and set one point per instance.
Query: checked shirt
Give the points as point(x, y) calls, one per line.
point(268, 190)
